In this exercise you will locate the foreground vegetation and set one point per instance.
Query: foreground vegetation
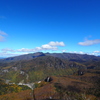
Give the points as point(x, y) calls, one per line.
point(71, 87)
point(10, 88)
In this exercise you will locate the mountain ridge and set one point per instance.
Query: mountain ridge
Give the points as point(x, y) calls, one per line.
point(67, 56)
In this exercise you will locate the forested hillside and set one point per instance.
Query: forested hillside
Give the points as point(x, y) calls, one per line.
point(67, 71)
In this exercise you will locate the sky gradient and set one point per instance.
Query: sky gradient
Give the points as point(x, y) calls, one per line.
point(28, 26)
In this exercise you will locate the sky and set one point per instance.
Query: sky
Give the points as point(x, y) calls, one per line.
point(55, 26)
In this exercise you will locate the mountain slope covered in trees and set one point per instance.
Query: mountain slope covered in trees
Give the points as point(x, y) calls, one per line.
point(67, 56)
point(67, 71)
point(39, 65)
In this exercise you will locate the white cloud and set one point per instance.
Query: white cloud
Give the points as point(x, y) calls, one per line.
point(56, 43)
point(2, 35)
point(78, 52)
point(7, 50)
point(25, 50)
point(38, 48)
point(64, 50)
point(81, 52)
point(89, 42)
point(46, 46)
point(3, 54)
point(50, 46)
point(29, 50)
point(96, 51)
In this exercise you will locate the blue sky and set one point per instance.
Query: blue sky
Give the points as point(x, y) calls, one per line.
point(28, 26)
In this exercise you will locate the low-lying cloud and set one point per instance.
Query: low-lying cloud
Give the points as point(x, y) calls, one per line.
point(5, 50)
point(96, 51)
point(50, 46)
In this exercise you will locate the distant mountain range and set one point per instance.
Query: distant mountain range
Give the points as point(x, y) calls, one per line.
point(38, 65)
point(67, 56)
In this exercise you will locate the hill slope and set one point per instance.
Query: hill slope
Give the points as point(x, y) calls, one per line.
point(73, 76)
point(23, 57)
point(36, 66)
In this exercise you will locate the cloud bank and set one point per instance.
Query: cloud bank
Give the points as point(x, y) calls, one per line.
point(53, 46)
point(50, 46)
point(89, 42)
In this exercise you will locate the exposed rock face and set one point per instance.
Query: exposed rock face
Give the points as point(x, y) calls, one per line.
point(48, 79)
